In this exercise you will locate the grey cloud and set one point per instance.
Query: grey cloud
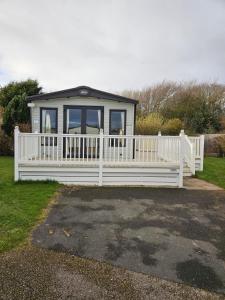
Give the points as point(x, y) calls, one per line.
point(113, 44)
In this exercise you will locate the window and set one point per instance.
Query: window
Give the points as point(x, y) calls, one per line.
point(117, 126)
point(49, 120)
point(117, 122)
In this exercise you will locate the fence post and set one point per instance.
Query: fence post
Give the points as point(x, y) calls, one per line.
point(181, 171)
point(101, 143)
point(16, 153)
point(202, 139)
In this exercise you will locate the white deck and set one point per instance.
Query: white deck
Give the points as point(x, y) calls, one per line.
point(106, 160)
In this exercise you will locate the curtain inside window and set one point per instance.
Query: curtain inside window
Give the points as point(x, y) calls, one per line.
point(48, 122)
point(99, 118)
point(122, 124)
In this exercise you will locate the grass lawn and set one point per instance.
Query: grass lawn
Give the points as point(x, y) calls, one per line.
point(214, 171)
point(20, 205)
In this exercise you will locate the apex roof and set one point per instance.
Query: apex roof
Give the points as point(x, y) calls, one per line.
point(82, 91)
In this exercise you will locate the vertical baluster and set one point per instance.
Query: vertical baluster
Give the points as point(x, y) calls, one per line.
point(69, 147)
point(48, 147)
point(114, 149)
point(74, 147)
point(57, 148)
point(118, 149)
point(79, 144)
point(40, 147)
point(96, 148)
point(53, 148)
point(143, 149)
point(66, 138)
point(139, 149)
point(110, 149)
point(83, 145)
point(91, 145)
point(123, 147)
point(126, 148)
point(87, 147)
point(44, 147)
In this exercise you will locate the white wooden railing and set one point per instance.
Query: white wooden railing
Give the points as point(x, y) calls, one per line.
point(198, 148)
point(79, 148)
point(189, 157)
point(39, 148)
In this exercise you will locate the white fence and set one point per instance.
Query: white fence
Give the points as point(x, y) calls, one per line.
point(106, 150)
point(86, 148)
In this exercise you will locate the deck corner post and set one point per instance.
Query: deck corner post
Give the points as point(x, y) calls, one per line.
point(181, 170)
point(16, 153)
point(202, 140)
point(101, 143)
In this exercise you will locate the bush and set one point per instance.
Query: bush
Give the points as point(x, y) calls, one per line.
point(24, 127)
point(6, 144)
point(172, 127)
point(150, 124)
point(220, 145)
point(15, 112)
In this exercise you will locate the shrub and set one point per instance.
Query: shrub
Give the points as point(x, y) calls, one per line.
point(172, 127)
point(13, 100)
point(150, 124)
point(24, 127)
point(15, 112)
point(6, 144)
point(220, 145)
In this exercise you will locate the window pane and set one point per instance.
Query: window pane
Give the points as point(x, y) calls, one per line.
point(49, 120)
point(117, 125)
point(74, 120)
point(93, 121)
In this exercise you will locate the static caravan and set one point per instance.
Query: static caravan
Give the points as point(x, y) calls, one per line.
point(86, 136)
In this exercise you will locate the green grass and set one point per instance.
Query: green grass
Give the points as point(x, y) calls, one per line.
point(214, 171)
point(21, 205)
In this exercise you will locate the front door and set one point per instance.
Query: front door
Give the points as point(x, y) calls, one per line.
point(83, 120)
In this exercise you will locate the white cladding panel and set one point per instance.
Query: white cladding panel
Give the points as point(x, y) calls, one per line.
point(60, 102)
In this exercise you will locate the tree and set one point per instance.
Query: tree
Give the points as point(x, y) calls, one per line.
point(200, 107)
point(13, 100)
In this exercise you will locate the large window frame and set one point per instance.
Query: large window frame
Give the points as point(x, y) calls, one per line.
point(83, 108)
point(118, 142)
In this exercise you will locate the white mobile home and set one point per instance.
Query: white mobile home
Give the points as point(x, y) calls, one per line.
point(87, 136)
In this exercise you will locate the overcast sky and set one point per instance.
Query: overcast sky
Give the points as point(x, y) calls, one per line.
point(111, 44)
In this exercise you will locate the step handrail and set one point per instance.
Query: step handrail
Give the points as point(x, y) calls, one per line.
point(189, 157)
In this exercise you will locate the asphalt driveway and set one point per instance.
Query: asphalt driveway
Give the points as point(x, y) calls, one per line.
point(174, 234)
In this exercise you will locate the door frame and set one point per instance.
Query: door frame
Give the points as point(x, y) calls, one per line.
point(83, 109)
point(83, 115)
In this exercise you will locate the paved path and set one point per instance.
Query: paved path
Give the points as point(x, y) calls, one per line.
point(175, 234)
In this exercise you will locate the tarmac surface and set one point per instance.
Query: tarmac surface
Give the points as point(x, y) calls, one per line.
point(174, 234)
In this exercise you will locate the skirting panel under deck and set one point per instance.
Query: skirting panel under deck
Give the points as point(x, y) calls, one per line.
point(86, 175)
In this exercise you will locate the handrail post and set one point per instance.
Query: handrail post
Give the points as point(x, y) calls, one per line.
point(192, 159)
point(16, 153)
point(202, 140)
point(181, 170)
point(101, 143)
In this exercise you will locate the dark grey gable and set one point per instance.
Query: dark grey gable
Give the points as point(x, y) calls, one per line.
point(82, 91)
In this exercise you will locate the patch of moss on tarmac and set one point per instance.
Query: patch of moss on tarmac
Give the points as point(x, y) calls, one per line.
point(195, 273)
